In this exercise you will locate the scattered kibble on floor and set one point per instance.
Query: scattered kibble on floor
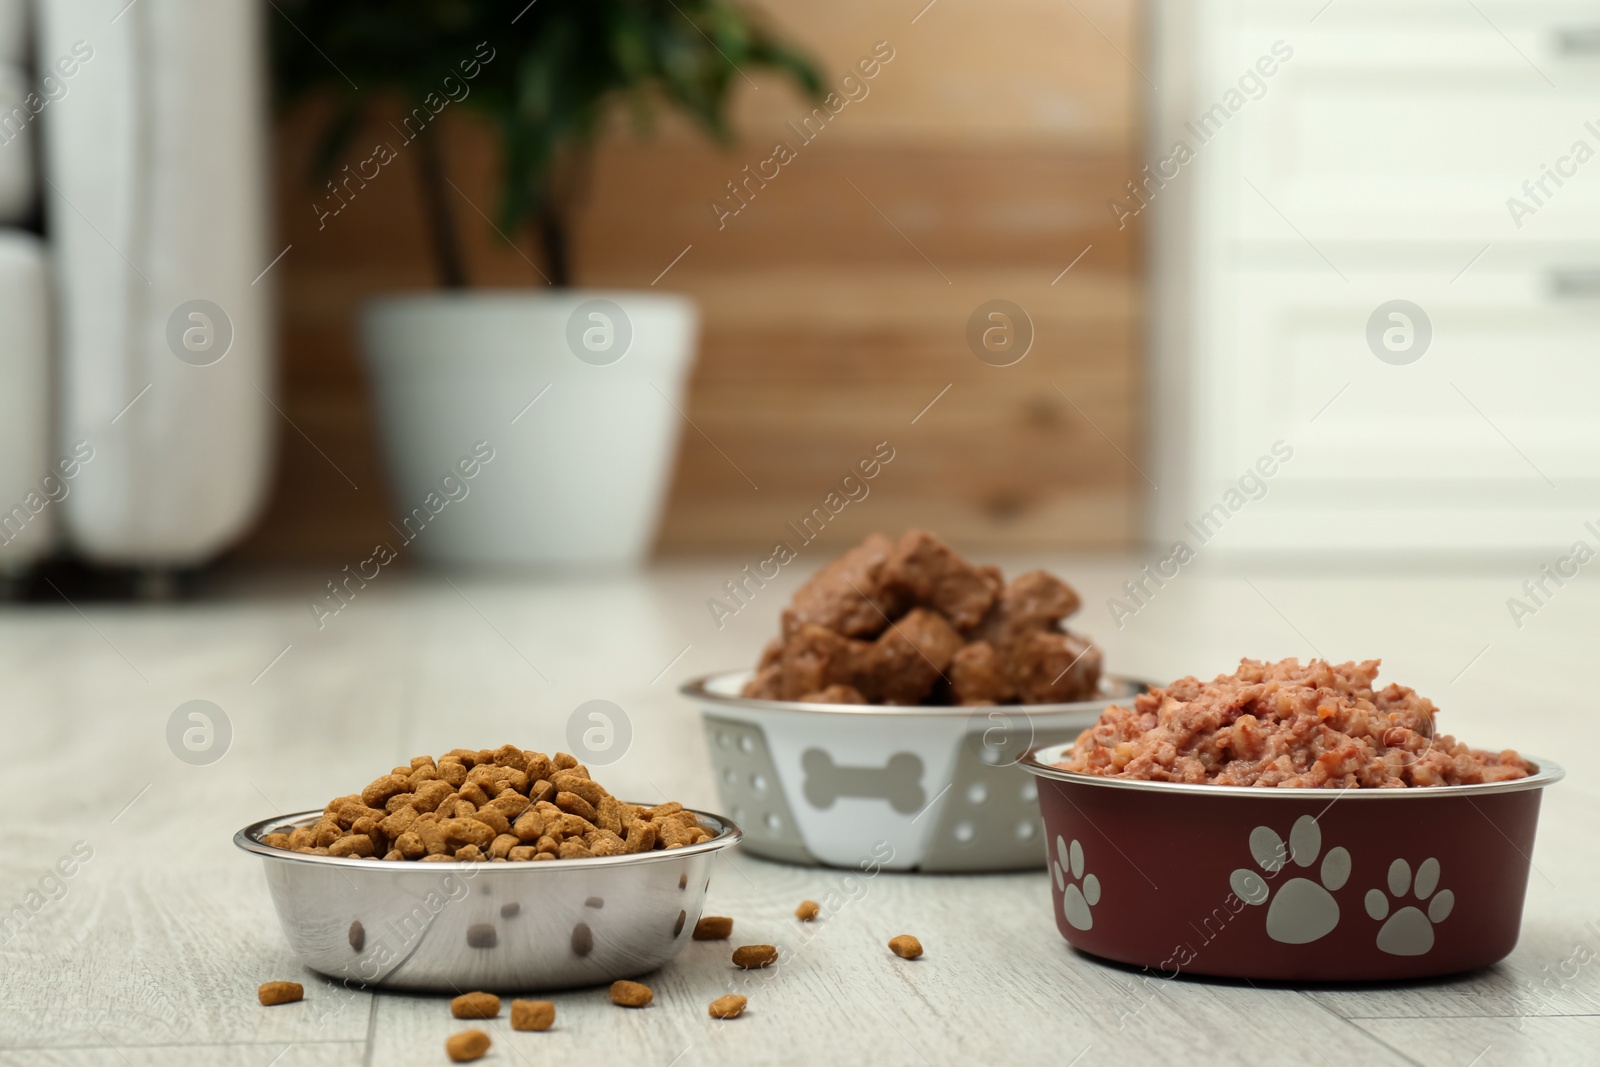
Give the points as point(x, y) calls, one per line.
point(751, 957)
point(475, 1006)
point(466, 1046)
point(272, 993)
point(808, 910)
point(630, 994)
point(728, 1007)
point(713, 928)
point(532, 1014)
point(905, 946)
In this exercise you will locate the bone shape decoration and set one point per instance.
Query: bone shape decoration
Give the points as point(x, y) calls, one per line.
point(899, 781)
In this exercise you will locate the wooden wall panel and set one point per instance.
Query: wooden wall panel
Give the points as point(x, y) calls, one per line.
point(992, 142)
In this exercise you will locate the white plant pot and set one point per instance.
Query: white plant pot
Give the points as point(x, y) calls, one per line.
point(582, 448)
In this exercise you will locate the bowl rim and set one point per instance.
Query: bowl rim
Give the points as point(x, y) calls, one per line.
point(248, 839)
point(698, 689)
point(1040, 761)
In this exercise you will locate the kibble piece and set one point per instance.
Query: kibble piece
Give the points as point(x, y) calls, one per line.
point(575, 825)
point(728, 1007)
point(538, 766)
point(751, 957)
point(430, 795)
point(365, 824)
point(398, 823)
point(272, 993)
point(529, 826)
point(631, 994)
point(605, 843)
point(384, 788)
point(510, 803)
point(510, 756)
point(807, 910)
point(611, 814)
point(713, 928)
point(433, 838)
point(466, 1046)
point(475, 1006)
point(471, 831)
point(576, 805)
point(358, 845)
point(905, 946)
point(532, 1014)
point(641, 837)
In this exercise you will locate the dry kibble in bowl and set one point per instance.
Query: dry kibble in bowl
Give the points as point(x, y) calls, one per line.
point(728, 1007)
point(483, 805)
point(475, 1006)
point(808, 910)
point(713, 928)
point(752, 957)
point(630, 994)
point(466, 1046)
point(272, 993)
point(532, 1014)
point(905, 946)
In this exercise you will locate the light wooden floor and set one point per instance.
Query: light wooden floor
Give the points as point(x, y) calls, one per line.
point(153, 952)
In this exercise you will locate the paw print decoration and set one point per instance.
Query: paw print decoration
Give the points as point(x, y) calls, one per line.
point(1076, 903)
point(1409, 931)
point(1303, 909)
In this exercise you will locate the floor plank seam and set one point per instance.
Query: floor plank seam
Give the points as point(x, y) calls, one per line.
point(372, 1030)
point(1306, 996)
point(1478, 1017)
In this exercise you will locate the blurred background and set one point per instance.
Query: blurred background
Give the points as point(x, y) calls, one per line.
point(1263, 279)
point(977, 163)
point(379, 377)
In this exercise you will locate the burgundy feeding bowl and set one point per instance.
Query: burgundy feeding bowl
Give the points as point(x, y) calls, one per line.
point(1289, 884)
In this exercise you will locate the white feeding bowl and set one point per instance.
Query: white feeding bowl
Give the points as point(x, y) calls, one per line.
point(897, 788)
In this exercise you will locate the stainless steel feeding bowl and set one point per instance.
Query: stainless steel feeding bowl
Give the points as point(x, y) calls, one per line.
point(450, 927)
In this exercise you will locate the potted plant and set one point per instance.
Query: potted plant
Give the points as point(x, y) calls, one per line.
point(580, 477)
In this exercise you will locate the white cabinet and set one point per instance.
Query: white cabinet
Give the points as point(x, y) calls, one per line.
point(156, 201)
point(31, 485)
point(1373, 165)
